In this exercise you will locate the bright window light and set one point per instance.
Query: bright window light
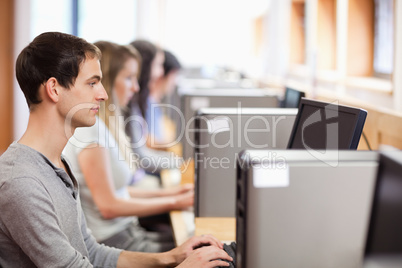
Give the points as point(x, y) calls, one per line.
point(107, 20)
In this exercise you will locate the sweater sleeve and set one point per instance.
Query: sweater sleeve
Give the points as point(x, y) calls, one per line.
point(99, 254)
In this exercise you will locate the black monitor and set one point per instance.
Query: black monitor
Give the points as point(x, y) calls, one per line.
point(292, 98)
point(385, 232)
point(321, 125)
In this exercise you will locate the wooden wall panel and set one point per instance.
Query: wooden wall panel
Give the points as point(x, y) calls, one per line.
point(6, 73)
point(382, 126)
point(360, 38)
point(326, 34)
point(297, 33)
point(258, 35)
point(389, 130)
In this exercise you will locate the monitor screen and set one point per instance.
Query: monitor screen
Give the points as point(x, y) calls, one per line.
point(385, 232)
point(292, 98)
point(321, 125)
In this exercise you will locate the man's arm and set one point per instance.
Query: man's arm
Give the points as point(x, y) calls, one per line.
point(202, 251)
point(33, 224)
point(99, 254)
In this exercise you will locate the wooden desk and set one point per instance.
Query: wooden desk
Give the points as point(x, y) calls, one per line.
point(222, 228)
point(179, 225)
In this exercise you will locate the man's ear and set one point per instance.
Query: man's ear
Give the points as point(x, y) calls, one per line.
point(52, 89)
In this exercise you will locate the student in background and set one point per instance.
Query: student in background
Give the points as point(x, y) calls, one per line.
point(137, 130)
point(153, 58)
point(41, 221)
point(152, 70)
point(161, 129)
point(102, 161)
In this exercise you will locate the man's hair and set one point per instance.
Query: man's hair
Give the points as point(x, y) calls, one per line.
point(171, 63)
point(51, 54)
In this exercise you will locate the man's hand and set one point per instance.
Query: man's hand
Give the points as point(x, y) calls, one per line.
point(208, 256)
point(199, 251)
point(206, 247)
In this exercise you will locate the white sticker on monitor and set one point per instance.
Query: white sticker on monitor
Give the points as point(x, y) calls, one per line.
point(218, 124)
point(198, 103)
point(274, 175)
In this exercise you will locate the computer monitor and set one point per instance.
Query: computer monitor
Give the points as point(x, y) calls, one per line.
point(385, 232)
point(296, 210)
point(321, 125)
point(221, 133)
point(292, 98)
point(193, 100)
point(188, 86)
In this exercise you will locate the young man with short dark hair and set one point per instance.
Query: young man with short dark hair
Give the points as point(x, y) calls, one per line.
point(41, 221)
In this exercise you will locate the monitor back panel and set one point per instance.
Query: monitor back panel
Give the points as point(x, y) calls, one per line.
point(295, 210)
point(191, 101)
point(191, 84)
point(385, 233)
point(223, 133)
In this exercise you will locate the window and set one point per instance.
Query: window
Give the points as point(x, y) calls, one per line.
point(297, 33)
point(383, 62)
point(46, 16)
point(107, 20)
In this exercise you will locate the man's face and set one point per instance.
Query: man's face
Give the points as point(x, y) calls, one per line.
point(80, 103)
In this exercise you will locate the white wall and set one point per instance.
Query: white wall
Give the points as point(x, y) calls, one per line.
point(211, 32)
point(21, 39)
point(398, 57)
point(107, 20)
point(278, 38)
point(33, 17)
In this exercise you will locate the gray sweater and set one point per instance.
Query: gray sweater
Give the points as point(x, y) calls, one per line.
point(41, 221)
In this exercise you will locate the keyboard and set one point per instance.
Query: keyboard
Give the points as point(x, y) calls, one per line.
point(231, 251)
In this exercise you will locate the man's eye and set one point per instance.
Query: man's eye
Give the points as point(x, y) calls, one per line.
point(92, 84)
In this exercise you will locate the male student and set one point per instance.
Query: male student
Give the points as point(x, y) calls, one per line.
point(41, 221)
